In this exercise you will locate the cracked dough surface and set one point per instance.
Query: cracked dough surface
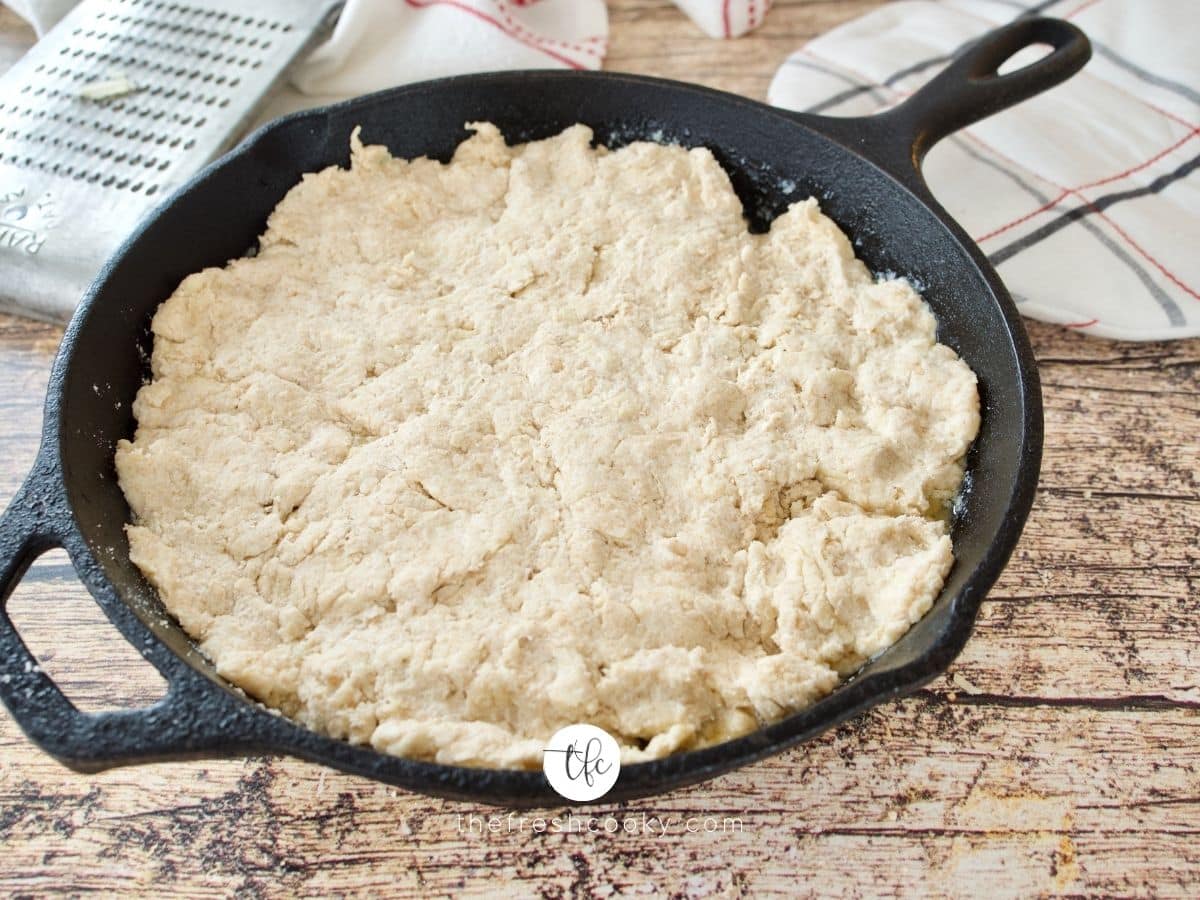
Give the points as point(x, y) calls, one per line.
point(470, 452)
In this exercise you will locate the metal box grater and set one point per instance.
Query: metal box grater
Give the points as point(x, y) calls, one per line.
point(76, 175)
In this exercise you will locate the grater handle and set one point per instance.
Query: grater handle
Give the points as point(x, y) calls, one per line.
point(188, 721)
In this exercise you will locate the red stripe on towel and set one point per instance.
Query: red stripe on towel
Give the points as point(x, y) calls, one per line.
point(1067, 192)
point(1145, 253)
point(1155, 158)
point(1142, 251)
point(1025, 218)
point(495, 23)
point(1077, 10)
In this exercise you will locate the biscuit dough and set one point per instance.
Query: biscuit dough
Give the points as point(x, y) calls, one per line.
point(469, 452)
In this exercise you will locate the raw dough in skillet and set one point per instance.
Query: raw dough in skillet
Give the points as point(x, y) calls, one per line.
point(470, 452)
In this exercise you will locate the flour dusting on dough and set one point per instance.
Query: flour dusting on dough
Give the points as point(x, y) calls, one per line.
point(470, 452)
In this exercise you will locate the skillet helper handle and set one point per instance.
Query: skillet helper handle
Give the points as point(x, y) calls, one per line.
point(177, 725)
point(970, 88)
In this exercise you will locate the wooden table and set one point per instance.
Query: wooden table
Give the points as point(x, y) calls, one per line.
point(1061, 755)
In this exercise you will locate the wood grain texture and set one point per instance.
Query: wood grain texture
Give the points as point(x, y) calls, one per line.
point(15, 38)
point(1060, 756)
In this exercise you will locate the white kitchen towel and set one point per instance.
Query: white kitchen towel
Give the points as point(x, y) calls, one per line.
point(726, 18)
point(381, 43)
point(1086, 198)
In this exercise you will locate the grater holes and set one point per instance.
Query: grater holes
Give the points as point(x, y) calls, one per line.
point(105, 154)
point(135, 62)
point(164, 44)
point(152, 45)
point(180, 28)
point(66, 170)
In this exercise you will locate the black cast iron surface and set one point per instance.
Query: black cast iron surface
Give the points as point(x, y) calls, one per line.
point(866, 174)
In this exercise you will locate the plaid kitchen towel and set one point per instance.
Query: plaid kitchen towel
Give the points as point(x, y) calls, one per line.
point(1086, 199)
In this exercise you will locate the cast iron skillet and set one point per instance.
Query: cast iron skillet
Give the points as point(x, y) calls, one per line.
point(866, 173)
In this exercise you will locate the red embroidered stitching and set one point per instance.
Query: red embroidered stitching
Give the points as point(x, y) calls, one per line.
point(513, 30)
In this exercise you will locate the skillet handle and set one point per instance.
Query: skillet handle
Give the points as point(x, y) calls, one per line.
point(186, 721)
point(970, 89)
